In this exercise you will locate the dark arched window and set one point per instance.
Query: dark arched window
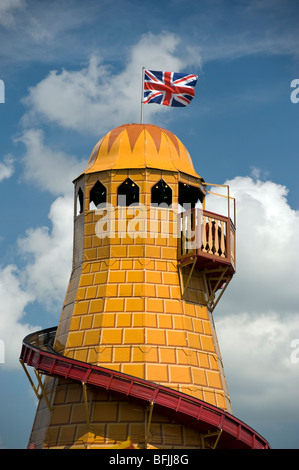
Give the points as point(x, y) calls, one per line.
point(80, 202)
point(128, 193)
point(97, 195)
point(189, 195)
point(161, 193)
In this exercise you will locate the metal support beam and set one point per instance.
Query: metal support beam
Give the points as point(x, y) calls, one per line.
point(216, 434)
point(87, 411)
point(184, 287)
point(40, 385)
point(220, 295)
point(211, 303)
point(149, 410)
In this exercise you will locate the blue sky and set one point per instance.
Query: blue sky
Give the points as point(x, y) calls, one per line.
point(72, 72)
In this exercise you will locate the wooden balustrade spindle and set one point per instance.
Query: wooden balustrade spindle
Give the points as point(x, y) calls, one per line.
point(210, 239)
point(204, 234)
point(222, 241)
point(217, 246)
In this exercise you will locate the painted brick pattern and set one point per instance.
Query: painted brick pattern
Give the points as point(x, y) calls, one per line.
point(124, 310)
point(128, 313)
point(112, 421)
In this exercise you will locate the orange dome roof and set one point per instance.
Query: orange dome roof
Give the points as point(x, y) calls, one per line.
point(140, 146)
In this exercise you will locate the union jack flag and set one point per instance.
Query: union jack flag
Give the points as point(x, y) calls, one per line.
point(168, 88)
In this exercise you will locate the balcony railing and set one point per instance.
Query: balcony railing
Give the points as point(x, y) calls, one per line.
point(209, 236)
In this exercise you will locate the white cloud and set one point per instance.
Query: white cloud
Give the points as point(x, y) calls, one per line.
point(258, 316)
point(256, 353)
point(44, 278)
point(50, 170)
point(14, 300)
point(49, 255)
point(95, 99)
point(6, 167)
point(44, 252)
point(267, 274)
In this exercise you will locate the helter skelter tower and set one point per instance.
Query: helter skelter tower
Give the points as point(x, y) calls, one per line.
point(134, 361)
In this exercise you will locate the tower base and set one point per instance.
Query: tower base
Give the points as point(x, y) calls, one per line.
point(87, 406)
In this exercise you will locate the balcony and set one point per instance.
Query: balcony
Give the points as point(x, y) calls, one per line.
point(207, 242)
point(209, 236)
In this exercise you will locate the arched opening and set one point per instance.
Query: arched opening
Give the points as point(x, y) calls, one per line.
point(189, 195)
point(97, 196)
point(161, 193)
point(128, 193)
point(80, 202)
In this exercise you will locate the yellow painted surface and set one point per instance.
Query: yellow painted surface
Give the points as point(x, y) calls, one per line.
point(144, 146)
point(124, 308)
point(131, 301)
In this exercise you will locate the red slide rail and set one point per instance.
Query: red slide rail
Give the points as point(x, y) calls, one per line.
point(206, 418)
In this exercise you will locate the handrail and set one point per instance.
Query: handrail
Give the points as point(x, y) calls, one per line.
point(228, 197)
point(37, 351)
point(207, 235)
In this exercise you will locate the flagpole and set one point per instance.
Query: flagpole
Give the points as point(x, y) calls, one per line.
point(142, 95)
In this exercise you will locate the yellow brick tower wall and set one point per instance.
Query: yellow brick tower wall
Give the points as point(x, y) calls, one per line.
point(124, 308)
point(111, 422)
